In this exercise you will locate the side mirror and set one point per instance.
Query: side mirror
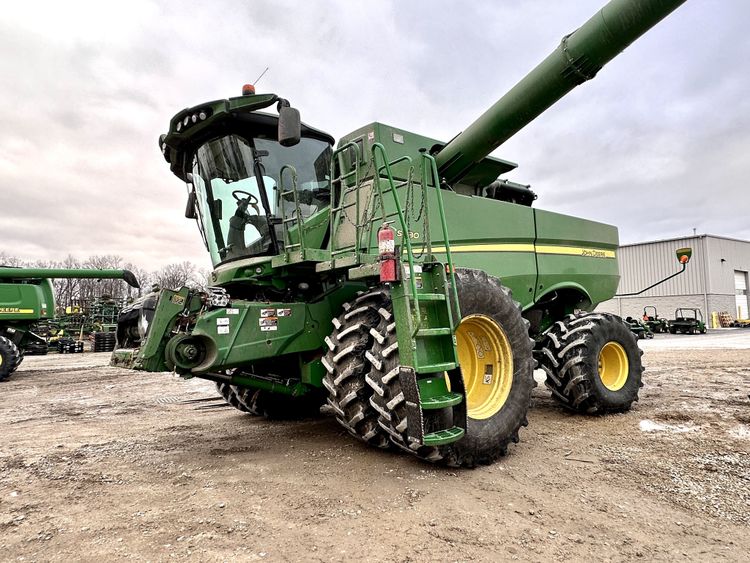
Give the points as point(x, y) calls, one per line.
point(190, 208)
point(290, 126)
point(684, 254)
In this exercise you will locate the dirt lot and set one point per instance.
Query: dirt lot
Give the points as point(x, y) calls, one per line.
point(101, 463)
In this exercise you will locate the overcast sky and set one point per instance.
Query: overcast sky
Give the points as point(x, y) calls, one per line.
point(657, 143)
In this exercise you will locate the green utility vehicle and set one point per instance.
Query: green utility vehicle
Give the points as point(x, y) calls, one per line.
point(687, 321)
point(26, 298)
point(393, 277)
point(639, 328)
point(653, 321)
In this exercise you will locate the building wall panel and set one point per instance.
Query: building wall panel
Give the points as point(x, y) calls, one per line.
point(708, 282)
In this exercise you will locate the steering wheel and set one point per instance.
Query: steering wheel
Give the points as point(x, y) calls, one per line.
point(252, 200)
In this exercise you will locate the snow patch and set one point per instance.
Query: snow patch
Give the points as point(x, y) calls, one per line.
point(647, 425)
point(741, 431)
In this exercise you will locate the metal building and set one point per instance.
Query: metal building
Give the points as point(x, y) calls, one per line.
point(715, 281)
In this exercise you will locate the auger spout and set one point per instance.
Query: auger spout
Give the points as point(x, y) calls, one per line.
point(577, 59)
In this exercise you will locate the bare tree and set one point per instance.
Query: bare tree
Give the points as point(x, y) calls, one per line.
point(203, 278)
point(91, 288)
point(144, 280)
point(7, 259)
point(174, 276)
point(67, 290)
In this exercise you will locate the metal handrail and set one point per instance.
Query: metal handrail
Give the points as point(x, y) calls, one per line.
point(336, 206)
point(429, 160)
point(378, 147)
point(284, 223)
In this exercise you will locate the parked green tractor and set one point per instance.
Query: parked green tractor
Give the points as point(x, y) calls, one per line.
point(394, 277)
point(26, 298)
point(653, 321)
point(687, 321)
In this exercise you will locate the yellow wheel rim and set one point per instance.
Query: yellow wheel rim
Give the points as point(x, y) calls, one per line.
point(486, 360)
point(613, 366)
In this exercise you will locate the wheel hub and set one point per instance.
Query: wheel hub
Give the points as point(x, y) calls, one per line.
point(486, 360)
point(613, 366)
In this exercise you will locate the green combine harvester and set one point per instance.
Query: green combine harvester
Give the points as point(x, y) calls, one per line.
point(26, 299)
point(393, 276)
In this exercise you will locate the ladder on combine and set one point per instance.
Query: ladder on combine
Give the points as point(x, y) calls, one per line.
point(425, 308)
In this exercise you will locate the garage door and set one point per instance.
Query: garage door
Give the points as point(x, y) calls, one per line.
point(740, 290)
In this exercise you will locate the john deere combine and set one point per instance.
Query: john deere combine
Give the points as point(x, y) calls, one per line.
point(394, 277)
point(27, 297)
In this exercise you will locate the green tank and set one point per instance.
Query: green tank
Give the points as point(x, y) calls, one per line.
point(393, 277)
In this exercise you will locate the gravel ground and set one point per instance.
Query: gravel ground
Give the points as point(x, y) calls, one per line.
point(99, 463)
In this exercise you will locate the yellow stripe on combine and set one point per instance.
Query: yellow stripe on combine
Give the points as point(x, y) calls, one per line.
point(539, 249)
point(16, 311)
point(485, 248)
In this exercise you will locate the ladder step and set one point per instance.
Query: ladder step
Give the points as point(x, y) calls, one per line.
point(442, 331)
point(431, 296)
point(441, 401)
point(441, 437)
point(436, 368)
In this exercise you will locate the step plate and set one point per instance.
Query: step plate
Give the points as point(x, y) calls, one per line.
point(441, 401)
point(442, 437)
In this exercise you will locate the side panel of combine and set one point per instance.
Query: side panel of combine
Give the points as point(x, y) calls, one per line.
point(26, 301)
point(574, 252)
point(493, 236)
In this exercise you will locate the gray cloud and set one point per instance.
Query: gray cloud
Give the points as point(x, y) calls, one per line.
point(656, 144)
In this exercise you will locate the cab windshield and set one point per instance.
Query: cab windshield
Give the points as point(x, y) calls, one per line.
point(238, 186)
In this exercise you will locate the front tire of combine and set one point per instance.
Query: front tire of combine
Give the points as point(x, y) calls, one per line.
point(347, 368)
point(21, 356)
point(496, 361)
point(592, 362)
point(9, 358)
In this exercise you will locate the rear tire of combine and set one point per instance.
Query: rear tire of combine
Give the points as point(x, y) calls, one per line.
point(493, 333)
point(230, 393)
point(347, 368)
point(258, 402)
point(276, 406)
point(592, 362)
point(8, 358)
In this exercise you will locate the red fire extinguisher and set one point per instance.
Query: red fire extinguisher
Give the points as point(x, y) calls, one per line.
point(387, 253)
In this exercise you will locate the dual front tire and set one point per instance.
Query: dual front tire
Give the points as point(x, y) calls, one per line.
point(495, 354)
